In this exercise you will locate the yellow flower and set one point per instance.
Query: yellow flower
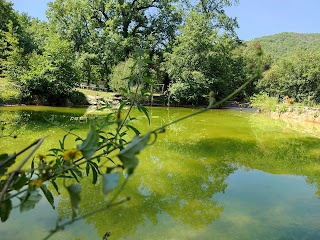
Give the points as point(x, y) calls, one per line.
point(36, 183)
point(41, 156)
point(71, 154)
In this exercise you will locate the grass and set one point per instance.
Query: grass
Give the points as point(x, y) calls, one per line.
point(96, 93)
point(106, 94)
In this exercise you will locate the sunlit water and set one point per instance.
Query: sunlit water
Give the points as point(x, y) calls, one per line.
point(219, 175)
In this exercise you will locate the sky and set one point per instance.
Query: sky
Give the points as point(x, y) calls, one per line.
point(256, 18)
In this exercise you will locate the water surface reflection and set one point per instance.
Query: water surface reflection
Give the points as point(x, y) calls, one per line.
point(220, 175)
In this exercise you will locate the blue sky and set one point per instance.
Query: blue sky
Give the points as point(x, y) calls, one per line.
point(256, 18)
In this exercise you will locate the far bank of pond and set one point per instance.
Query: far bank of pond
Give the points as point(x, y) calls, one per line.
point(224, 174)
point(304, 119)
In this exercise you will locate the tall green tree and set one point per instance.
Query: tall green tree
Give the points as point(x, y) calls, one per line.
point(51, 75)
point(12, 62)
point(202, 61)
point(113, 29)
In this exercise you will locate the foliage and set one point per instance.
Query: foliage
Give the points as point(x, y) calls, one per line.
point(264, 102)
point(120, 73)
point(41, 64)
point(202, 61)
point(287, 43)
point(9, 93)
point(294, 70)
point(95, 36)
point(296, 76)
point(109, 31)
point(77, 98)
point(53, 71)
point(247, 55)
point(86, 65)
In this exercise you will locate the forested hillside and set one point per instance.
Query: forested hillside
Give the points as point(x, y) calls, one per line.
point(286, 43)
point(295, 67)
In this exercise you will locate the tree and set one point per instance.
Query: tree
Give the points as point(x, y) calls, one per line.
point(296, 75)
point(112, 30)
point(10, 39)
point(12, 61)
point(7, 14)
point(202, 61)
point(248, 57)
point(51, 76)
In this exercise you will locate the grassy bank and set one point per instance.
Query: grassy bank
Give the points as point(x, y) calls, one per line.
point(96, 93)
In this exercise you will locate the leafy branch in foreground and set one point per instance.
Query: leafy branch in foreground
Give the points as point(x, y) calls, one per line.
point(103, 152)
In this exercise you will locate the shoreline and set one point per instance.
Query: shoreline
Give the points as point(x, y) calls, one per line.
point(302, 119)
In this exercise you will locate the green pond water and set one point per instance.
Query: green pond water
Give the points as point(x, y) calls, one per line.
point(224, 174)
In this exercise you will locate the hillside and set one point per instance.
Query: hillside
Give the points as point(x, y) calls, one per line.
point(282, 44)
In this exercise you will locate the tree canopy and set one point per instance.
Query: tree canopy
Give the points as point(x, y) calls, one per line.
point(191, 45)
point(295, 66)
point(84, 40)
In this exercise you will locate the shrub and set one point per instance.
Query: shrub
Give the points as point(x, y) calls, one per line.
point(178, 92)
point(78, 98)
point(121, 71)
point(264, 102)
point(282, 108)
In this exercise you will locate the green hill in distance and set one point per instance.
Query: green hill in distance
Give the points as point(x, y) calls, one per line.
point(286, 43)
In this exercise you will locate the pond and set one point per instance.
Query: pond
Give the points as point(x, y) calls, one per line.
point(224, 174)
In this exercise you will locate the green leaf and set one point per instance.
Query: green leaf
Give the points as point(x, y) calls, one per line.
point(32, 167)
point(29, 200)
point(89, 146)
point(6, 162)
point(87, 169)
point(77, 171)
point(48, 195)
point(94, 175)
point(145, 111)
point(122, 105)
point(74, 192)
point(148, 61)
point(55, 150)
point(63, 141)
point(128, 155)
point(110, 182)
point(148, 80)
point(74, 176)
point(5, 208)
point(55, 186)
point(136, 131)
point(20, 181)
point(124, 90)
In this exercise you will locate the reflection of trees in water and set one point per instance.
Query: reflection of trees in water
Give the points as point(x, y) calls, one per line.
point(281, 150)
point(180, 175)
point(11, 121)
point(182, 186)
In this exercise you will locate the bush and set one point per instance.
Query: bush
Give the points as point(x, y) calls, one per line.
point(178, 92)
point(78, 98)
point(264, 102)
point(119, 73)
